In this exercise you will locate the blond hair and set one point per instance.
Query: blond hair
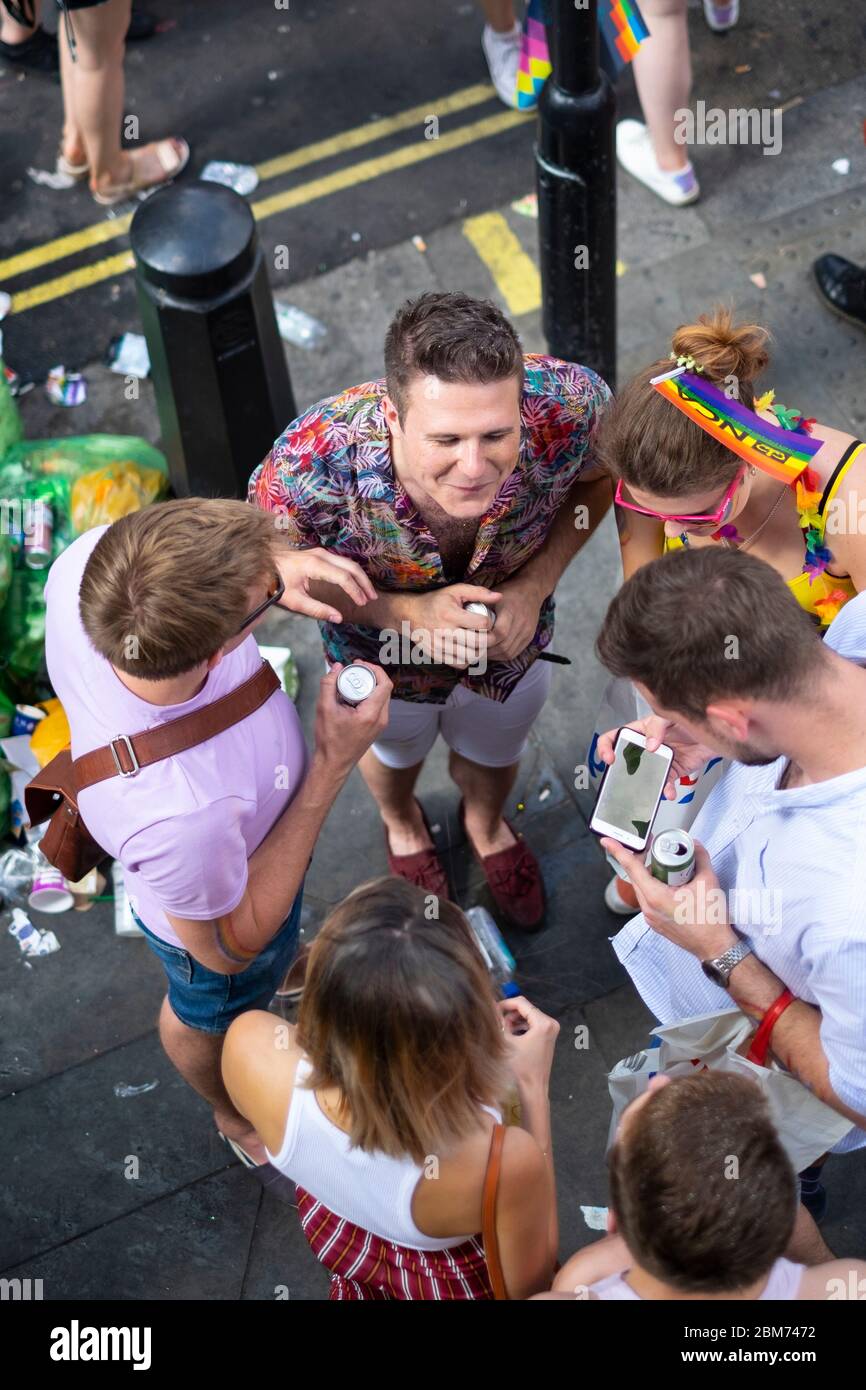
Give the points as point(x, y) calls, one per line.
point(166, 587)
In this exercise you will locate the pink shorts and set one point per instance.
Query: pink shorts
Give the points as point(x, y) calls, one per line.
point(482, 730)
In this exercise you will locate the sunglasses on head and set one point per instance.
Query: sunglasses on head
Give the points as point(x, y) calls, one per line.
point(716, 517)
point(263, 607)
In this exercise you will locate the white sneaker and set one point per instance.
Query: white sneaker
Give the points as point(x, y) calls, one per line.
point(615, 903)
point(721, 17)
point(635, 153)
point(502, 52)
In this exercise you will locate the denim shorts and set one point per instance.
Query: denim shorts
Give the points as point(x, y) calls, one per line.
point(208, 1001)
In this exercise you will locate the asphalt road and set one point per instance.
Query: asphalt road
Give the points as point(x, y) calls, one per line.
point(258, 84)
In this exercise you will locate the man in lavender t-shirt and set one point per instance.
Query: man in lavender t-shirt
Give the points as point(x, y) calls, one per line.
point(150, 619)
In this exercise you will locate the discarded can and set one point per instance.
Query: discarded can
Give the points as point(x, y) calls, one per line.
point(475, 606)
point(354, 684)
point(39, 536)
point(672, 857)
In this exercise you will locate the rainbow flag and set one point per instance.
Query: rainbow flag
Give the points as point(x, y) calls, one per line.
point(622, 28)
point(534, 67)
point(784, 454)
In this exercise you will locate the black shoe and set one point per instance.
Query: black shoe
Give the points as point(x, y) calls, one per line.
point(37, 54)
point(141, 26)
point(813, 1193)
point(842, 286)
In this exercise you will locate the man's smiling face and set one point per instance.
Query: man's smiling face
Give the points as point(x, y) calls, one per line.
point(458, 441)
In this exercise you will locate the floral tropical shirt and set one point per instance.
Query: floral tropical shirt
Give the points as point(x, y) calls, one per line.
point(331, 477)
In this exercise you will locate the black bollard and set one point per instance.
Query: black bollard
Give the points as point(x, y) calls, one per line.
point(576, 177)
point(222, 385)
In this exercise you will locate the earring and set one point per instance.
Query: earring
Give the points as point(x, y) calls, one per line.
point(752, 469)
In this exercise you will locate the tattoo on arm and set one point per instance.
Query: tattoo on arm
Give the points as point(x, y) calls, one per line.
point(229, 945)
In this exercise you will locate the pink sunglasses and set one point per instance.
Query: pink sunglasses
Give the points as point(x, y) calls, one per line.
point(717, 516)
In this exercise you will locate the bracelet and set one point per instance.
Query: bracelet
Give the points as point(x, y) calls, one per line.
point(761, 1042)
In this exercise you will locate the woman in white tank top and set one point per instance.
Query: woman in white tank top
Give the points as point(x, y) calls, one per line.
point(381, 1104)
point(704, 1203)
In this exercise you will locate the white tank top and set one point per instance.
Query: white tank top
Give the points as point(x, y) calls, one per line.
point(782, 1284)
point(372, 1190)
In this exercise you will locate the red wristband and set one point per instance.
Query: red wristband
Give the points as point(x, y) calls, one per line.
point(761, 1041)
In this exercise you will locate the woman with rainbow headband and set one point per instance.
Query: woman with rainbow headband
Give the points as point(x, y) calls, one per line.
point(683, 483)
point(699, 458)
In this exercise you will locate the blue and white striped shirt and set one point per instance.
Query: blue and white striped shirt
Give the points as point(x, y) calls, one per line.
point(793, 866)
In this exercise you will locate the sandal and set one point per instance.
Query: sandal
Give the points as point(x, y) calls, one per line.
point(173, 155)
point(271, 1179)
point(72, 171)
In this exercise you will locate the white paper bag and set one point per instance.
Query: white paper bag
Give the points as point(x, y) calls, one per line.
point(806, 1126)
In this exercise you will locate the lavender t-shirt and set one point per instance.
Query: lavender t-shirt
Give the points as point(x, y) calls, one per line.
point(183, 828)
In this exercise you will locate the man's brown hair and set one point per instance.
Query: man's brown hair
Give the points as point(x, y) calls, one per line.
point(643, 438)
point(166, 587)
point(398, 1012)
point(451, 337)
point(705, 624)
point(704, 1195)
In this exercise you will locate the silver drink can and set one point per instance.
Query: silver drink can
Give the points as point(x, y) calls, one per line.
point(355, 683)
point(672, 857)
point(475, 606)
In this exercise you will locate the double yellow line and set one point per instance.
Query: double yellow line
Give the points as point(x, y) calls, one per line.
point(362, 172)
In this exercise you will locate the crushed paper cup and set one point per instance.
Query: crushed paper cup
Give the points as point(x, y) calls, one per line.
point(128, 355)
point(50, 891)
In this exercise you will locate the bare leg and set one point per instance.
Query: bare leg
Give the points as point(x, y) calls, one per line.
point(485, 791)
point(13, 32)
point(93, 88)
point(73, 141)
point(663, 76)
point(197, 1057)
point(499, 15)
point(807, 1245)
point(393, 791)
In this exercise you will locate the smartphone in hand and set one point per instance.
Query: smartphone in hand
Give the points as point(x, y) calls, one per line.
point(631, 790)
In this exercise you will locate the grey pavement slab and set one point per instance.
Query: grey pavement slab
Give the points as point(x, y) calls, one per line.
point(189, 1244)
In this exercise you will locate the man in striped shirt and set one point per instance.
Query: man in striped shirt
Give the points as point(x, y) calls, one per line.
point(731, 666)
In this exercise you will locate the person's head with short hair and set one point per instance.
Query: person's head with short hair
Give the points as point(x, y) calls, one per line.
point(454, 378)
point(166, 589)
point(714, 639)
point(701, 1189)
point(399, 1014)
point(665, 461)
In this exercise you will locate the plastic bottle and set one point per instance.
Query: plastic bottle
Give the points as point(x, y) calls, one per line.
point(500, 962)
point(298, 327)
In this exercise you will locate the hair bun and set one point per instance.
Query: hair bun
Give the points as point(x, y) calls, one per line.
point(721, 348)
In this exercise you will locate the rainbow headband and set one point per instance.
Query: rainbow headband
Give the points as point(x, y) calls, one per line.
point(782, 453)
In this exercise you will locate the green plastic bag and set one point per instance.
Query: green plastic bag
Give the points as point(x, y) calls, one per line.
point(11, 429)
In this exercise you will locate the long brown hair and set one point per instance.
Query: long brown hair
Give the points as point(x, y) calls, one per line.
point(651, 445)
point(398, 1014)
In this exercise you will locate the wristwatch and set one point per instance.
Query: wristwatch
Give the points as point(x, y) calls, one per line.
point(719, 969)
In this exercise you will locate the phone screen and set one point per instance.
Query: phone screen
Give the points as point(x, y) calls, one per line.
point(632, 789)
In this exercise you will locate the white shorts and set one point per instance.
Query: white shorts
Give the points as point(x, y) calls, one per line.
point(484, 731)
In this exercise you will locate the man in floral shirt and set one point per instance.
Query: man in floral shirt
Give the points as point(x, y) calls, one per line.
point(466, 474)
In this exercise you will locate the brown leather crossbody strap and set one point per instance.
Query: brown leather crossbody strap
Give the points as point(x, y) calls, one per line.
point(488, 1214)
point(127, 753)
